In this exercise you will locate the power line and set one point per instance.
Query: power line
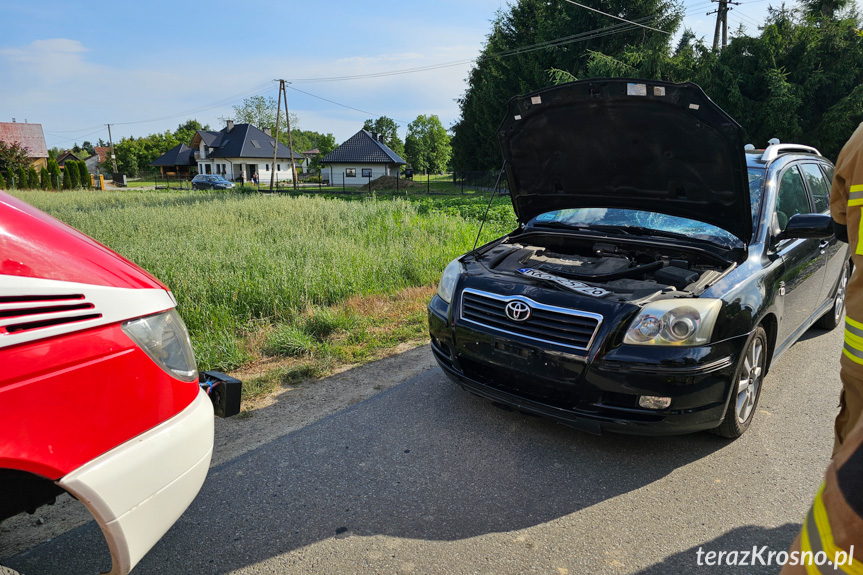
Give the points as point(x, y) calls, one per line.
point(615, 17)
point(400, 122)
point(582, 36)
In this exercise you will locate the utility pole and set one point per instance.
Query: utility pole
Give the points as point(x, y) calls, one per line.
point(721, 22)
point(113, 155)
point(284, 93)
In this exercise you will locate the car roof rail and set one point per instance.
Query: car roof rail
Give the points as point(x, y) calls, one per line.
point(774, 151)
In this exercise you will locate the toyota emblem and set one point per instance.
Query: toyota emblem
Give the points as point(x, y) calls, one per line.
point(517, 311)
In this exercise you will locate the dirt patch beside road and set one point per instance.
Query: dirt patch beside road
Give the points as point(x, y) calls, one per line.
point(278, 414)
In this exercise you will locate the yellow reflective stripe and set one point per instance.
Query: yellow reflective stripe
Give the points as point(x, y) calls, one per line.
point(854, 323)
point(852, 339)
point(817, 525)
point(855, 202)
point(857, 188)
point(851, 356)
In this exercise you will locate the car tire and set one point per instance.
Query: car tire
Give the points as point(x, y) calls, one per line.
point(833, 317)
point(746, 387)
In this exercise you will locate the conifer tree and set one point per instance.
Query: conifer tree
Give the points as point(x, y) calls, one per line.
point(83, 174)
point(44, 178)
point(22, 178)
point(32, 178)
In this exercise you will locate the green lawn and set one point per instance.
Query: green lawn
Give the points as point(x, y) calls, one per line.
point(289, 275)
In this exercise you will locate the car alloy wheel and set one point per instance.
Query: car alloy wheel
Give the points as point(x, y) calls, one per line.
point(746, 387)
point(833, 317)
point(749, 380)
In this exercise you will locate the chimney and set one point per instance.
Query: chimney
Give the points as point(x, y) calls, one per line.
point(374, 135)
point(230, 125)
point(381, 138)
point(267, 132)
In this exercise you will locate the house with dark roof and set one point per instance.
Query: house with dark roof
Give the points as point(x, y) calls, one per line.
point(176, 162)
point(361, 157)
point(242, 150)
point(67, 156)
point(235, 151)
point(29, 136)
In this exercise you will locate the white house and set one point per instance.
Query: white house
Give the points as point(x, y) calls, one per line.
point(361, 157)
point(239, 150)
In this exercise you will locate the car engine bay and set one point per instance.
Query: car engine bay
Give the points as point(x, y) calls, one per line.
point(626, 270)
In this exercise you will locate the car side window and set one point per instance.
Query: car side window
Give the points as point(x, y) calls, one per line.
point(818, 186)
point(792, 198)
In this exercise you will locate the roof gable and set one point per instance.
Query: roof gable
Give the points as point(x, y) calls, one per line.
point(28, 135)
point(362, 148)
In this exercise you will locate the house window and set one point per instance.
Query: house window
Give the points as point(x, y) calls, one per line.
point(208, 169)
point(367, 172)
point(350, 172)
point(279, 167)
point(267, 168)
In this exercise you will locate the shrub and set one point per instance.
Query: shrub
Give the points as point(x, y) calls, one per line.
point(54, 173)
point(22, 178)
point(2, 182)
point(33, 178)
point(44, 179)
point(70, 171)
point(83, 174)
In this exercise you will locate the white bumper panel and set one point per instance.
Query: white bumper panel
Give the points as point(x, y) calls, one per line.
point(138, 490)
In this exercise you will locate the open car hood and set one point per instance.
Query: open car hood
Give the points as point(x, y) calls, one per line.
point(624, 143)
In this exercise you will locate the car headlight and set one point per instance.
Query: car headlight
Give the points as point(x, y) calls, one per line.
point(164, 338)
point(674, 322)
point(448, 280)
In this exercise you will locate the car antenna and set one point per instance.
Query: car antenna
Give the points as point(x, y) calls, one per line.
point(488, 207)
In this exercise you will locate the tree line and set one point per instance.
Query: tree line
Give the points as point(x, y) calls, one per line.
point(798, 79)
point(17, 172)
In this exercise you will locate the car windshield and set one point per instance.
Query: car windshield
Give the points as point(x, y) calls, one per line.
point(643, 222)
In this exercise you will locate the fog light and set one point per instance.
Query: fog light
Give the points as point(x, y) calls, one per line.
point(654, 402)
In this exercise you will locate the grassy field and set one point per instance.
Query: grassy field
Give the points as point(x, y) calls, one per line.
point(319, 280)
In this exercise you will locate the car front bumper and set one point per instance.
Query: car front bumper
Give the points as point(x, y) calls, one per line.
point(591, 393)
point(137, 490)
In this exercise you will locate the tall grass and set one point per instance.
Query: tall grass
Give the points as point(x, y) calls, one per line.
point(237, 263)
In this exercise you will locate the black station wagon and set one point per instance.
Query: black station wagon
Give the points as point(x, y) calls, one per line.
point(658, 270)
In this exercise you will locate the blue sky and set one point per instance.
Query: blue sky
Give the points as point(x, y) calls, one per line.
point(146, 67)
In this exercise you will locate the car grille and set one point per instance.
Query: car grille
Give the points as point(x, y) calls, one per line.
point(28, 312)
point(547, 324)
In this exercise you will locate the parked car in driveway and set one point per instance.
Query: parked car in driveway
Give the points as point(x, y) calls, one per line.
point(658, 269)
point(99, 387)
point(210, 182)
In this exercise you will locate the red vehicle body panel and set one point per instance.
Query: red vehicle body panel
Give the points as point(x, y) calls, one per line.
point(33, 244)
point(79, 395)
point(69, 398)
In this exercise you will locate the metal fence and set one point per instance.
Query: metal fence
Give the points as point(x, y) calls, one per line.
point(173, 183)
point(479, 180)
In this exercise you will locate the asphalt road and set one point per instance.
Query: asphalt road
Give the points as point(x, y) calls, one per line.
point(425, 478)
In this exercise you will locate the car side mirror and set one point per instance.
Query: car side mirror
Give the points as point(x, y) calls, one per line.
point(813, 226)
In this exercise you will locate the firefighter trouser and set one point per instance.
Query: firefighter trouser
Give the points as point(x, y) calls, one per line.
point(851, 396)
point(851, 362)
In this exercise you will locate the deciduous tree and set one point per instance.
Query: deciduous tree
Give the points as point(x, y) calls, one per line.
point(427, 145)
point(390, 131)
point(13, 157)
